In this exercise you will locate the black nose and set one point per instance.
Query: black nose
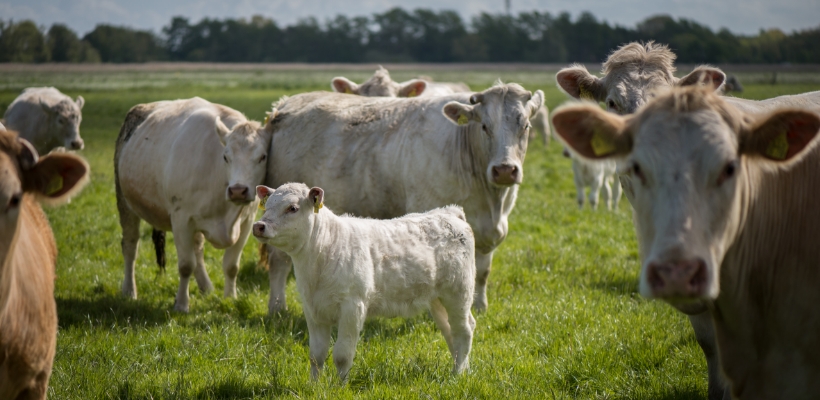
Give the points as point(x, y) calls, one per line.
point(77, 144)
point(258, 229)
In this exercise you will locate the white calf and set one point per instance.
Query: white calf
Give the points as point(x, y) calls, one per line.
point(596, 175)
point(351, 268)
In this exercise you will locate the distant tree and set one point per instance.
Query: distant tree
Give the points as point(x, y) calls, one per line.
point(22, 42)
point(65, 46)
point(119, 44)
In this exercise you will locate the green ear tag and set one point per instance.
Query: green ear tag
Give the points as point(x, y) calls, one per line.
point(412, 94)
point(462, 119)
point(316, 207)
point(778, 147)
point(55, 185)
point(585, 93)
point(262, 202)
point(348, 91)
point(601, 145)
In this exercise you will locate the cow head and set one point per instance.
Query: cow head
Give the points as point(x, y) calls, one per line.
point(687, 154)
point(290, 211)
point(64, 120)
point(245, 156)
point(632, 75)
point(380, 85)
point(503, 112)
point(52, 179)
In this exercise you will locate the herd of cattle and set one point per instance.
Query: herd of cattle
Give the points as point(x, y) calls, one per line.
point(722, 190)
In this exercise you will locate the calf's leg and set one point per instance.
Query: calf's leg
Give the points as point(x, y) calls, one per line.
point(319, 339)
point(595, 190)
point(351, 320)
point(440, 317)
point(579, 183)
point(279, 265)
point(616, 192)
point(462, 325)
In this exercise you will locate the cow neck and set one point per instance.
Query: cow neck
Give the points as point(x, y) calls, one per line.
point(471, 160)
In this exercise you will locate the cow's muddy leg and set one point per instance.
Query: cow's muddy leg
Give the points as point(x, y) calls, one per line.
point(200, 272)
point(232, 257)
point(130, 223)
point(279, 267)
point(186, 262)
point(483, 263)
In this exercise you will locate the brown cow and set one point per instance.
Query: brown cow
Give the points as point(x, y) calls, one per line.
point(726, 218)
point(28, 313)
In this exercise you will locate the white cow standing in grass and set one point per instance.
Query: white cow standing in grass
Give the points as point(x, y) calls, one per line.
point(727, 221)
point(597, 176)
point(189, 166)
point(386, 157)
point(348, 269)
point(381, 85)
point(47, 119)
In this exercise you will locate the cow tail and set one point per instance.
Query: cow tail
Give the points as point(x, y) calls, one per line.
point(262, 264)
point(159, 247)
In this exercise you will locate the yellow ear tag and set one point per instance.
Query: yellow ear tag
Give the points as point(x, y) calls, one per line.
point(585, 93)
point(262, 202)
point(267, 118)
point(601, 145)
point(412, 93)
point(55, 185)
point(316, 207)
point(778, 147)
point(348, 91)
point(462, 119)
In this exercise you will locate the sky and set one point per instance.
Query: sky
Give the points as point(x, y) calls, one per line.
point(739, 16)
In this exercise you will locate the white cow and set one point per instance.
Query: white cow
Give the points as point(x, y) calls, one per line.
point(348, 269)
point(595, 175)
point(381, 85)
point(47, 119)
point(386, 157)
point(189, 166)
point(725, 220)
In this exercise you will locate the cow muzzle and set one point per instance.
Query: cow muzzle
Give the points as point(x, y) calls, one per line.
point(506, 174)
point(239, 194)
point(76, 144)
point(687, 279)
point(259, 230)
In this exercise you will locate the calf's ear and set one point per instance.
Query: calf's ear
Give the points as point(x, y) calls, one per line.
point(80, 102)
point(782, 135)
point(460, 113)
point(221, 130)
point(341, 84)
point(56, 177)
point(580, 84)
point(317, 197)
point(535, 102)
point(413, 88)
point(592, 132)
point(703, 75)
point(263, 191)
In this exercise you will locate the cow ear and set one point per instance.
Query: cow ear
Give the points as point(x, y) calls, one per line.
point(28, 156)
point(341, 84)
point(317, 197)
point(592, 132)
point(460, 113)
point(56, 177)
point(270, 118)
point(703, 75)
point(535, 102)
point(80, 102)
point(221, 130)
point(412, 88)
point(580, 84)
point(782, 135)
point(263, 191)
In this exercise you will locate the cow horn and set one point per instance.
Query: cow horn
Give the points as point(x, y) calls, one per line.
point(476, 98)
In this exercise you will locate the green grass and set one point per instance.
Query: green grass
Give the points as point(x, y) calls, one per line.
point(565, 319)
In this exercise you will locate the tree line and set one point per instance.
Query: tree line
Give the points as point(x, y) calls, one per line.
point(398, 35)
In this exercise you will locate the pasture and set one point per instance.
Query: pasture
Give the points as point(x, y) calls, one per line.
point(564, 319)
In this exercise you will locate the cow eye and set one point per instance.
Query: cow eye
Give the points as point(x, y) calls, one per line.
point(224, 157)
point(292, 209)
point(14, 201)
point(263, 158)
point(611, 104)
point(728, 172)
point(638, 172)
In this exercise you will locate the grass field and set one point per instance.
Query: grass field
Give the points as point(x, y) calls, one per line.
point(565, 319)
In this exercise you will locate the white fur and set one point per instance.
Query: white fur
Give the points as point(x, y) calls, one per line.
point(46, 130)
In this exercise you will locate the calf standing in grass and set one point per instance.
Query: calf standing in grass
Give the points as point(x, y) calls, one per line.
point(351, 268)
point(189, 166)
point(596, 175)
point(28, 313)
point(47, 119)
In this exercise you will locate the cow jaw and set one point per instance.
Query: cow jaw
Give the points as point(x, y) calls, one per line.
point(10, 202)
point(683, 203)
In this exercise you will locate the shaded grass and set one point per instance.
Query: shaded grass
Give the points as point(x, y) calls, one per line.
point(565, 320)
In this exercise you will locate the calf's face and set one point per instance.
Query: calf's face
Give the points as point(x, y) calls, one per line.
point(245, 156)
point(379, 85)
point(64, 119)
point(289, 213)
point(504, 113)
point(687, 168)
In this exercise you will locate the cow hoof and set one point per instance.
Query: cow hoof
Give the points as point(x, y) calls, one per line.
point(129, 292)
point(276, 309)
point(480, 307)
point(180, 307)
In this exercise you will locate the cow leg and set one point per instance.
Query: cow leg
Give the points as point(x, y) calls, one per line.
point(607, 189)
point(186, 243)
point(130, 223)
point(232, 257)
point(705, 334)
point(200, 272)
point(319, 341)
point(579, 183)
point(616, 192)
point(595, 190)
point(351, 320)
point(483, 263)
point(279, 265)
